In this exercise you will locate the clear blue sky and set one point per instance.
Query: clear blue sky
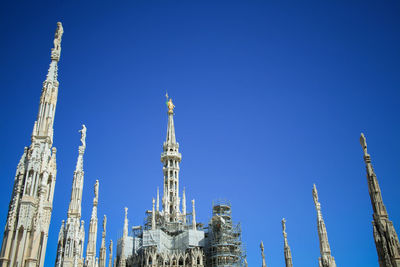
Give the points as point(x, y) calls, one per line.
point(271, 97)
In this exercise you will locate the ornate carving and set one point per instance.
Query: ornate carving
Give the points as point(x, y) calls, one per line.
point(83, 135)
point(55, 52)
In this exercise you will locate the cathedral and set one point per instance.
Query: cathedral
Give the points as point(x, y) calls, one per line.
point(170, 235)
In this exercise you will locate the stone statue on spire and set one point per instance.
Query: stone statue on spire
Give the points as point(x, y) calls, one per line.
point(104, 223)
point(56, 51)
point(315, 196)
point(284, 227)
point(83, 135)
point(58, 35)
point(262, 254)
point(96, 191)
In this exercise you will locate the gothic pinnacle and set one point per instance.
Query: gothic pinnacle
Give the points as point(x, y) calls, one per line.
point(122, 259)
point(262, 254)
point(91, 245)
point(386, 239)
point(287, 252)
point(103, 250)
point(153, 216)
point(111, 254)
point(77, 184)
point(44, 124)
point(193, 215)
point(326, 259)
point(184, 206)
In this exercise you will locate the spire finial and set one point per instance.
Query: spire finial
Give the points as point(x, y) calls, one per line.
point(315, 195)
point(363, 142)
point(56, 51)
point(83, 135)
point(284, 226)
point(262, 254)
point(96, 193)
point(171, 106)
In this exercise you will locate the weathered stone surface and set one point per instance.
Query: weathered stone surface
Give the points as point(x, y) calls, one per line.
point(386, 239)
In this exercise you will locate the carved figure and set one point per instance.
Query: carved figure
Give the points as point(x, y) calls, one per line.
point(58, 35)
point(284, 225)
point(263, 255)
point(28, 185)
point(83, 135)
point(315, 195)
point(96, 190)
point(170, 106)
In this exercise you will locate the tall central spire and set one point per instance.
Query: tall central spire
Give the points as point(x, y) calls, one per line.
point(170, 157)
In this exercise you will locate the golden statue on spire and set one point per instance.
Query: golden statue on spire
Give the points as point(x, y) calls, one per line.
point(170, 105)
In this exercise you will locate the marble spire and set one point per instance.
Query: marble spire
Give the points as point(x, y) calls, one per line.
point(75, 204)
point(110, 262)
point(72, 254)
point(193, 216)
point(153, 216)
point(31, 201)
point(170, 157)
point(110, 255)
point(184, 206)
point(103, 249)
point(326, 259)
point(43, 127)
point(385, 236)
point(91, 245)
point(262, 254)
point(286, 248)
point(122, 259)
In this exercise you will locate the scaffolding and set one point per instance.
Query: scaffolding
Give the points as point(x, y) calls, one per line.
point(225, 246)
